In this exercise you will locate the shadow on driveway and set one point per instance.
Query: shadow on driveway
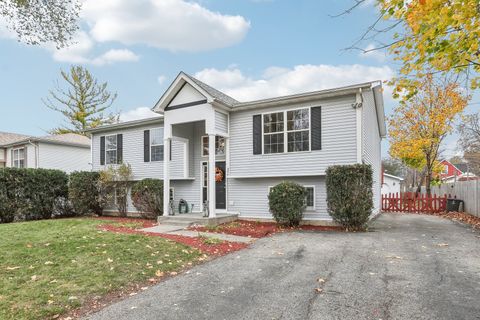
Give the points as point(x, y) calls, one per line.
point(407, 267)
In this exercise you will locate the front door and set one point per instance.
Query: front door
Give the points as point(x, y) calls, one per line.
point(220, 185)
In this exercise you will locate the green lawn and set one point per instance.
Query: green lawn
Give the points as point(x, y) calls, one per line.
point(49, 267)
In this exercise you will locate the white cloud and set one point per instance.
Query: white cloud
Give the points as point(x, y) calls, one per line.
point(138, 113)
point(161, 79)
point(378, 55)
point(283, 81)
point(80, 51)
point(175, 25)
point(115, 55)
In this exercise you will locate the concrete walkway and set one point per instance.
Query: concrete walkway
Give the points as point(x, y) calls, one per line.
point(408, 267)
point(180, 230)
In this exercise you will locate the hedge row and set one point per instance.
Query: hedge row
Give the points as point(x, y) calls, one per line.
point(31, 194)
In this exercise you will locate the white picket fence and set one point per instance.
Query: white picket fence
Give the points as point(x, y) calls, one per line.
point(468, 191)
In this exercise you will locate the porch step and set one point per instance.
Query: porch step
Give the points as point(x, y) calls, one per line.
point(192, 219)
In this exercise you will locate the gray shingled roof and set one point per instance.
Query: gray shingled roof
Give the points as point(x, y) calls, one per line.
point(67, 138)
point(461, 166)
point(222, 97)
point(9, 138)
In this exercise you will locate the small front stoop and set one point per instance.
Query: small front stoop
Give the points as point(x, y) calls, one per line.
point(189, 219)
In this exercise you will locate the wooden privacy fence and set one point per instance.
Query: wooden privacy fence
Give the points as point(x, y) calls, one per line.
point(412, 202)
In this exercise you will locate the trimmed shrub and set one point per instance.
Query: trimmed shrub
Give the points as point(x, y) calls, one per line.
point(84, 194)
point(350, 195)
point(287, 203)
point(147, 197)
point(30, 194)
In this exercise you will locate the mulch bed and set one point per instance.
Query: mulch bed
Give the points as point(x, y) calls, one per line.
point(217, 249)
point(257, 229)
point(455, 216)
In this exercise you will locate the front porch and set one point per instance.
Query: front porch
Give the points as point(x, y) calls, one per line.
point(195, 179)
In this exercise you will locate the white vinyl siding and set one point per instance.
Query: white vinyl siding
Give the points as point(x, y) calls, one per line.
point(249, 197)
point(221, 122)
point(339, 143)
point(132, 152)
point(71, 159)
point(371, 145)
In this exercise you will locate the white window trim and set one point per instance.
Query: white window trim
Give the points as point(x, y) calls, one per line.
point(305, 186)
point(286, 131)
point(156, 145)
point(216, 154)
point(116, 149)
point(311, 208)
point(18, 160)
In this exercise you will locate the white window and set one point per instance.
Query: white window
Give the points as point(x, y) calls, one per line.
point(310, 199)
point(273, 133)
point(298, 130)
point(19, 158)
point(156, 144)
point(111, 149)
point(287, 131)
point(219, 146)
point(445, 169)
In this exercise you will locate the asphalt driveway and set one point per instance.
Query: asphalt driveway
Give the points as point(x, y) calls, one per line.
point(407, 267)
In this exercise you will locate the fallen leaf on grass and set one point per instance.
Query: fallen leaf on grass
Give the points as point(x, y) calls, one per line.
point(109, 260)
point(72, 298)
point(50, 301)
point(13, 268)
point(34, 278)
point(173, 273)
point(159, 273)
point(48, 262)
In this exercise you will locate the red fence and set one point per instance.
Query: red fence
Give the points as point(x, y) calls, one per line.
point(412, 202)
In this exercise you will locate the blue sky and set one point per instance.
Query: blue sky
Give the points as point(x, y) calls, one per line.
point(249, 49)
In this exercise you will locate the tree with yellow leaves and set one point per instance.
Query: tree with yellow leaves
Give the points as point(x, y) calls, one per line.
point(426, 36)
point(419, 125)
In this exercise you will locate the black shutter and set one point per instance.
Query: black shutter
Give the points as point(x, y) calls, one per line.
point(257, 134)
point(102, 151)
point(146, 146)
point(119, 148)
point(316, 126)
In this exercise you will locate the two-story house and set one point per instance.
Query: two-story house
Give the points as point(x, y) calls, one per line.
point(212, 150)
point(67, 152)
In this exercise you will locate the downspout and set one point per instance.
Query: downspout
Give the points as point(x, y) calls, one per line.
point(358, 108)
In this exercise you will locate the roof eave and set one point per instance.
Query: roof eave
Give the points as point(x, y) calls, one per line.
point(128, 124)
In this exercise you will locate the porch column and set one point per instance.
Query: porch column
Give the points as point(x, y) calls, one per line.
point(166, 175)
point(211, 175)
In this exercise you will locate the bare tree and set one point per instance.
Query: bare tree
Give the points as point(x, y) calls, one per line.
point(83, 103)
point(41, 21)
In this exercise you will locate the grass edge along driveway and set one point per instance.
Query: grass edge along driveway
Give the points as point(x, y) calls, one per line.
point(50, 267)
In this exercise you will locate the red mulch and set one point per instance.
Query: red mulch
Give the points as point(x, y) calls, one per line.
point(256, 229)
point(455, 216)
point(218, 249)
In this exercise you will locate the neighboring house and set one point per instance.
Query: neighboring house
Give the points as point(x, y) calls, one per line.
point(68, 152)
point(391, 184)
point(455, 172)
point(255, 145)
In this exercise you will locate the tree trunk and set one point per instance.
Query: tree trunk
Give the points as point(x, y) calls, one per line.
point(428, 181)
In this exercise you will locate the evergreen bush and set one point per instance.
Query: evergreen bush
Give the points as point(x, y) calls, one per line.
point(83, 192)
point(350, 195)
point(287, 201)
point(147, 197)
